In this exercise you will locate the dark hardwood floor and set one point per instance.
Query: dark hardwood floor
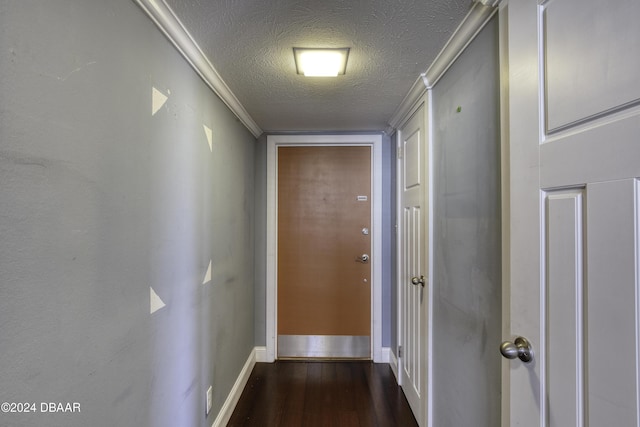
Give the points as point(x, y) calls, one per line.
point(301, 393)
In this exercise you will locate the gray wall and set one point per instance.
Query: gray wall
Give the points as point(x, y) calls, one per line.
point(389, 304)
point(388, 238)
point(260, 314)
point(467, 251)
point(100, 201)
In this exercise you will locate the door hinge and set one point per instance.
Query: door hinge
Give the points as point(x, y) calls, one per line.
point(399, 351)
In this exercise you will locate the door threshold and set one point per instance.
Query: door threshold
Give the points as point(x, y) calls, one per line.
point(324, 359)
point(324, 347)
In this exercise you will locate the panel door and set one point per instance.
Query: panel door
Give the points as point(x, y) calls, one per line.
point(413, 268)
point(574, 141)
point(324, 243)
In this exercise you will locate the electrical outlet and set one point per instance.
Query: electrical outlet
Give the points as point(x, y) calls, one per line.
point(209, 399)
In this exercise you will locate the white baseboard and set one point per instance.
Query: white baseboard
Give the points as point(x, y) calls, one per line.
point(384, 355)
point(393, 363)
point(261, 354)
point(236, 391)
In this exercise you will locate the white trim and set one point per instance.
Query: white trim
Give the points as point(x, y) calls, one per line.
point(410, 102)
point(374, 141)
point(272, 272)
point(399, 245)
point(384, 355)
point(505, 196)
point(490, 3)
point(167, 21)
point(468, 29)
point(431, 261)
point(393, 364)
point(470, 26)
point(261, 354)
point(637, 286)
point(236, 391)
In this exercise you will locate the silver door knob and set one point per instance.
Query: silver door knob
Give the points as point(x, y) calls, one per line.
point(418, 281)
point(519, 348)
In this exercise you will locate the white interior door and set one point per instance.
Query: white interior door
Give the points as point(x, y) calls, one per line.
point(574, 201)
point(414, 268)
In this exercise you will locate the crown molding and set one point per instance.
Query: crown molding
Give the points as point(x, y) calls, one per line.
point(468, 29)
point(414, 95)
point(164, 18)
point(490, 3)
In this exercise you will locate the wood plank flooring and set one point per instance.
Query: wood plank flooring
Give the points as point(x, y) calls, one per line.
point(310, 393)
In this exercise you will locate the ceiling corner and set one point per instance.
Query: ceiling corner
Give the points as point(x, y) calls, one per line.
point(164, 18)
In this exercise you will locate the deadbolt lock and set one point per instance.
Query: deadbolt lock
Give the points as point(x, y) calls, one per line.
point(364, 258)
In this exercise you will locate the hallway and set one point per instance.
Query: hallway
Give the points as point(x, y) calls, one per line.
point(134, 223)
point(293, 393)
point(136, 265)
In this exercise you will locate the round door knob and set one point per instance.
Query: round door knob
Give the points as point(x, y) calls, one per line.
point(418, 280)
point(519, 348)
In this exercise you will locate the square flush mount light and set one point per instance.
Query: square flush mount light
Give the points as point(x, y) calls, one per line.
point(321, 62)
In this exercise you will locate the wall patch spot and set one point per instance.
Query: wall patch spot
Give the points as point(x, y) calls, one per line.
point(157, 100)
point(207, 277)
point(209, 134)
point(156, 302)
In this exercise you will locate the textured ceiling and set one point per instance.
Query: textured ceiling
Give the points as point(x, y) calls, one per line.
point(250, 42)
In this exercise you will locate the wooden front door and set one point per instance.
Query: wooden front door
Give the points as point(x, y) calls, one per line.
point(574, 141)
point(324, 245)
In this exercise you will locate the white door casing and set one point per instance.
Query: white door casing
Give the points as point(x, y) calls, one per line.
point(371, 140)
point(414, 261)
point(573, 200)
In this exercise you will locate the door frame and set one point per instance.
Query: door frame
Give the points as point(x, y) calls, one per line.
point(505, 209)
point(368, 140)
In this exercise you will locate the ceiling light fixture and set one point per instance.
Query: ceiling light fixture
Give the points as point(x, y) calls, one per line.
point(321, 62)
